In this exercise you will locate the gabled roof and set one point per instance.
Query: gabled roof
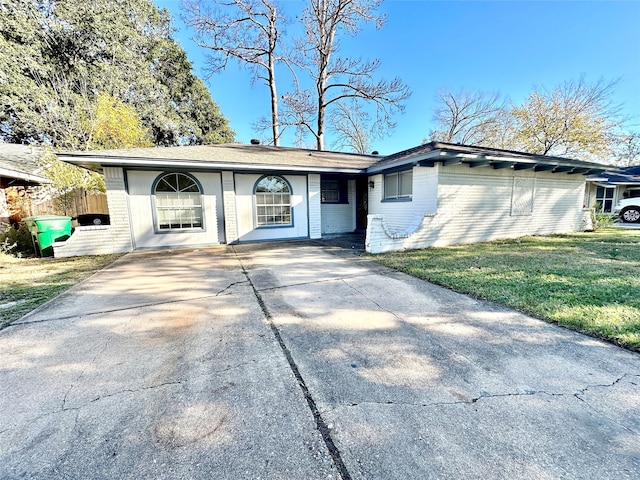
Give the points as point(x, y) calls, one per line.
point(262, 158)
point(227, 156)
point(451, 154)
point(19, 165)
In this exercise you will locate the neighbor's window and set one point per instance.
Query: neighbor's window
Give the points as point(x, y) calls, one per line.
point(632, 193)
point(178, 202)
point(273, 202)
point(333, 190)
point(604, 197)
point(398, 185)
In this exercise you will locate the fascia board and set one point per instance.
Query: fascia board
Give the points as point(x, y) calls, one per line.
point(405, 161)
point(6, 172)
point(164, 163)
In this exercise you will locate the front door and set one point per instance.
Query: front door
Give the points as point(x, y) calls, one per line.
point(362, 203)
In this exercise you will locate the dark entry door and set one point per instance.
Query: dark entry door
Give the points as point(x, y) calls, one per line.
point(362, 203)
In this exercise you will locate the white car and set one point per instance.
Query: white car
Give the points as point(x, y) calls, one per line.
point(629, 210)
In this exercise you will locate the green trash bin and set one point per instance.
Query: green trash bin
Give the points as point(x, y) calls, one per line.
point(46, 229)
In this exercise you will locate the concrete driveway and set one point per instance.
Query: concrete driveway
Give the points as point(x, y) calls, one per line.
point(301, 361)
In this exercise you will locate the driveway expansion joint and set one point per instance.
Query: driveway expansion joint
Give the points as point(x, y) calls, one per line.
point(321, 425)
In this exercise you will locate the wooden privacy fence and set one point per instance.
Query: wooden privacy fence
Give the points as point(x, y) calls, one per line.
point(73, 203)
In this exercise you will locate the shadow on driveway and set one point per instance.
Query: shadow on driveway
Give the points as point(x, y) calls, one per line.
point(302, 360)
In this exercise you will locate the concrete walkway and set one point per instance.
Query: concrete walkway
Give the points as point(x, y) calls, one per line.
point(300, 361)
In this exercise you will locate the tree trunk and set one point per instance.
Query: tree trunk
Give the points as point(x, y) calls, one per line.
point(273, 35)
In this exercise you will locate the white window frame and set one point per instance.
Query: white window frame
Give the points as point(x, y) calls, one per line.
point(177, 199)
point(602, 200)
point(272, 194)
point(398, 185)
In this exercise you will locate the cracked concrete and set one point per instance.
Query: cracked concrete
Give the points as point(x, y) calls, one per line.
point(179, 376)
point(301, 361)
point(415, 381)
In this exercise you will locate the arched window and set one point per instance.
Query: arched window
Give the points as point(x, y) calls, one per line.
point(273, 201)
point(178, 202)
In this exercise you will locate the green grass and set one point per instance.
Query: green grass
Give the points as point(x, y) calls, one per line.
point(586, 281)
point(26, 283)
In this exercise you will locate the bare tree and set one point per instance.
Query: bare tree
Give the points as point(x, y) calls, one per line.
point(469, 118)
point(352, 127)
point(244, 30)
point(626, 151)
point(336, 78)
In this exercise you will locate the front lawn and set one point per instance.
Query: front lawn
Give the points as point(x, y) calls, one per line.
point(26, 283)
point(586, 281)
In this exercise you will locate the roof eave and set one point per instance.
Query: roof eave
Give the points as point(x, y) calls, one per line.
point(449, 157)
point(19, 175)
point(92, 161)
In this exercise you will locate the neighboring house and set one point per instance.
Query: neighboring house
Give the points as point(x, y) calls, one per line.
point(433, 194)
point(19, 167)
point(607, 189)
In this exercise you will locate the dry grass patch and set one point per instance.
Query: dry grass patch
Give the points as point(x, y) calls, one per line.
point(26, 283)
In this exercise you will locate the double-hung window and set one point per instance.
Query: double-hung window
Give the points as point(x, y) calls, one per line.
point(178, 202)
point(333, 189)
point(604, 197)
point(398, 185)
point(273, 202)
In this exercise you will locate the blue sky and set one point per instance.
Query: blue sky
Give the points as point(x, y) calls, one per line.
point(505, 46)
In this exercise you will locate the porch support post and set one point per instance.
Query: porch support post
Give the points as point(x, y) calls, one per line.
point(315, 211)
point(229, 199)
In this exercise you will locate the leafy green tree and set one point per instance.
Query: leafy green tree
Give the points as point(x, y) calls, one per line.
point(116, 125)
point(57, 56)
point(65, 178)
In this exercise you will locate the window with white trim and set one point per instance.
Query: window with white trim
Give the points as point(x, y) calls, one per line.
point(604, 198)
point(178, 202)
point(273, 202)
point(398, 185)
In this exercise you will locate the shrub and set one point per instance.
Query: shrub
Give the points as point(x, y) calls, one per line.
point(601, 219)
point(16, 240)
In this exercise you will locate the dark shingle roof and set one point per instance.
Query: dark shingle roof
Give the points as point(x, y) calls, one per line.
point(620, 176)
point(238, 156)
point(19, 163)
point(450, 153)
point(265, 158)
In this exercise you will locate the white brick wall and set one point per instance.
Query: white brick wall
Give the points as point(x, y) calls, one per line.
point(107, 239)
point(229, 199)
point(4, 209)
point(315, 211)
point(474, 205)
point(400, 215)
point(340, 217)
